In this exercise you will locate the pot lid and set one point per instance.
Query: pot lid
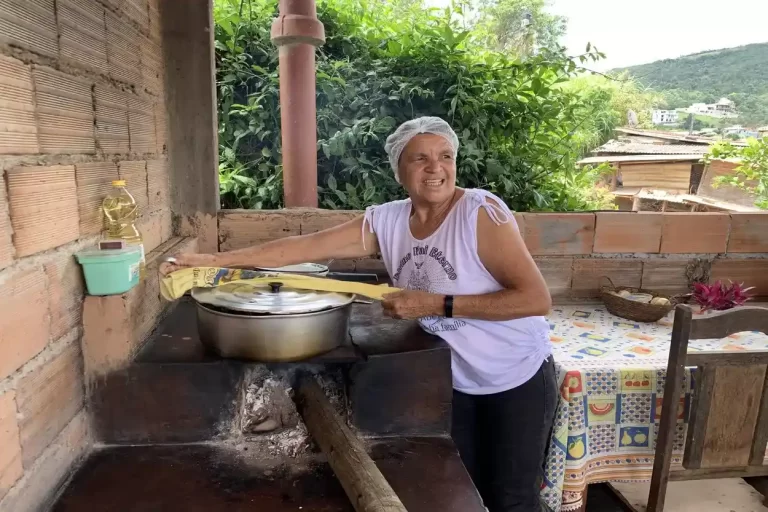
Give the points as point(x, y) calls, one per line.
point(299, 268)
point(273, 299)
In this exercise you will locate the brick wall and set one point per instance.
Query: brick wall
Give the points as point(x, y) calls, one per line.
point(575, 251)
point(81, 104)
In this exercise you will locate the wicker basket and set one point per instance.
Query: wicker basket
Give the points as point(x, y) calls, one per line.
point(633, 310)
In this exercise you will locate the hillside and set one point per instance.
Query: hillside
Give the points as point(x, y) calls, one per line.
point(740, 74)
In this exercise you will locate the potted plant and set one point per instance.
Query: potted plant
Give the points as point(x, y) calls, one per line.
point(719, 296)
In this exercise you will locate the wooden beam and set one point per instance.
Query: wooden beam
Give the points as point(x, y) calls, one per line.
point(760, 439)
point(715, 473)
point(724, 323)
point(719, 358)
point(662, 460)
point(364, 484)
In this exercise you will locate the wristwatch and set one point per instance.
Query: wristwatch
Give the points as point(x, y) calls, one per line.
point(448, 305)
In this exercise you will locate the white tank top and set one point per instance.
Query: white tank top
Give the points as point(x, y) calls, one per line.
point(487, 356)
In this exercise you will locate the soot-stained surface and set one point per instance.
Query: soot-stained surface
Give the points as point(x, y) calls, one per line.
point(196, 479)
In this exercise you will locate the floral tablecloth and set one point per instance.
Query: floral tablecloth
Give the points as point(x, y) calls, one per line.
point(611, 375)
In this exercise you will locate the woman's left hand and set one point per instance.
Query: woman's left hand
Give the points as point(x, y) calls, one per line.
point(412, 304)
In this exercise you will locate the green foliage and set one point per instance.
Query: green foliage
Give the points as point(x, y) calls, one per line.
point(382, 64)
point(586, 187)
point(518, 27)
point(740, 74)
point(610, 100)
point(752, 173)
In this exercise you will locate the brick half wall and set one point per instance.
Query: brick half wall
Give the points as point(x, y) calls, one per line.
point(574, 251)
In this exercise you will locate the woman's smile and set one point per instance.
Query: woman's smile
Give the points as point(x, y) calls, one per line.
point(432, 182)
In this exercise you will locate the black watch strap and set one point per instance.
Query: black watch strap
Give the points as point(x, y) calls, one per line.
point(448, 304)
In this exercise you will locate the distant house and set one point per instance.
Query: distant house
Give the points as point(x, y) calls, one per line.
point(739, 131)
point(664, 117)
point(724, 108)
point(762, 131)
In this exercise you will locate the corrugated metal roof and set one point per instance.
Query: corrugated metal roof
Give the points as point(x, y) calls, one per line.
point(679, 137)
point(634, 148)
point(639, 158)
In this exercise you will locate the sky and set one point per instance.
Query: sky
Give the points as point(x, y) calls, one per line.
point(633, 32)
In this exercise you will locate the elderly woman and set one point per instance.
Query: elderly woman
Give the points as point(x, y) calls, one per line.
point(468, 278)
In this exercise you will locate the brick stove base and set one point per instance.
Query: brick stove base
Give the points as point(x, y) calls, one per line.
point(426, 473)
point(177, 436)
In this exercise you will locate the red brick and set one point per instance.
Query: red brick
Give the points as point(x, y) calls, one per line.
point(141, 125)
point(83, 33)
point(24, 319)
point(17, 106)
point(155, 229)
point(65, 293)
point(749, 233)
point(558, 273)
point(161, 127)
point(690, 233)
point(158, 185)
point(627, 232)
point(319, 220)
point(134, 172)
point(94, 182)
point(64, 112)
point(11, 468)
point(666, 276)
point(151, 65)
point(48, 398)
point(37, 491)
point(243, 228)
point(29, 24)
point(558, 234)
point(111, 119)
point(43, 205)
point(751, 272)
point(589, 274)
point(123, 50)
point(6, 244)
point(138, 12)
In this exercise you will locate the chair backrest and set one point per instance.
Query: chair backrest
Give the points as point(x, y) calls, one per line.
point(728, 420)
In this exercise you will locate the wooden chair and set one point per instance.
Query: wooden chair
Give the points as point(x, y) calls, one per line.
point(728, 422)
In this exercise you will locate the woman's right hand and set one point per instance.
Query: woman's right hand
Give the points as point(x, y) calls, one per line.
point(187, 260)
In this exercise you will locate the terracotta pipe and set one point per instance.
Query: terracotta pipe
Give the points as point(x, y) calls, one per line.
point(296, 32)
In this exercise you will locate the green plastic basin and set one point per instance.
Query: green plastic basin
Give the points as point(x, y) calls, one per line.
point(110, 272)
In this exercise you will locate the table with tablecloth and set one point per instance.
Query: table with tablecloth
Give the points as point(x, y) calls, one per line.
point(611, 375)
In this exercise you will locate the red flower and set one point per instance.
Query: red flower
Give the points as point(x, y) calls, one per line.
point(719, 297)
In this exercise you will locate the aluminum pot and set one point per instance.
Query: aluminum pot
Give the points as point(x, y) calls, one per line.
point(271, 324)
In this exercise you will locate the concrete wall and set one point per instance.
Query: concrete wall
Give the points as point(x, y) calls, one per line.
point(81, 103)
point(575, 250)
point(193, 130)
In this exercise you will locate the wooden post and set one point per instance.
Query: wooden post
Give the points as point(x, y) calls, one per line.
point(364, 484)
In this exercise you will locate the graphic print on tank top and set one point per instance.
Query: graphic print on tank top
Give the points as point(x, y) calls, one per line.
point(427, 269)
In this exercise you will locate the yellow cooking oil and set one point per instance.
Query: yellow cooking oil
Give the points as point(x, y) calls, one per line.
point(120, 213)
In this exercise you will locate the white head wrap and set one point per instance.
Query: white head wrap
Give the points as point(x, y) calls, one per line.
point(405, 132)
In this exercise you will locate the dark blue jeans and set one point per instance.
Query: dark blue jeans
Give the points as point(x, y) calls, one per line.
point(502, 439)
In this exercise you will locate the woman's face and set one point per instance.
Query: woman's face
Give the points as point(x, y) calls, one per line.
point(427, 168)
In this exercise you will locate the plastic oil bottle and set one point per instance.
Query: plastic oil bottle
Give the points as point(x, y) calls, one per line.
point(120, 213)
